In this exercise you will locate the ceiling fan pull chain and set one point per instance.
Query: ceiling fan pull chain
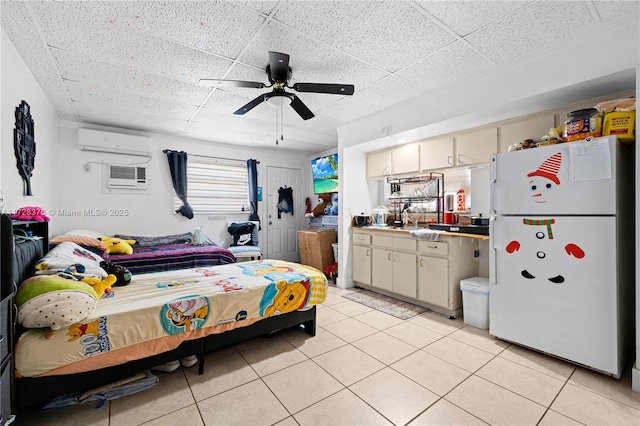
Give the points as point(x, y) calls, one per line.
point(277, 127)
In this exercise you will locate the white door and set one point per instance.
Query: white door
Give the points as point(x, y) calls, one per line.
point(554, 286)
point(574, 178)
point(282, 232)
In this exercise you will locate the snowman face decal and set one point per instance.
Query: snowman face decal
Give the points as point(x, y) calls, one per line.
point(539, 188)
point(545, 178)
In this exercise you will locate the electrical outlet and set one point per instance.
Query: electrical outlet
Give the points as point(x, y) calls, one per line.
point(476, 253)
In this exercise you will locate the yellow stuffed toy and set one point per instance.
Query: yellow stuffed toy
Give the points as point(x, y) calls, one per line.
point(117, 245)
point(101, 285)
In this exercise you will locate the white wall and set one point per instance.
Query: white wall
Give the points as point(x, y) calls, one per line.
point(149, 212)
point(18, 84)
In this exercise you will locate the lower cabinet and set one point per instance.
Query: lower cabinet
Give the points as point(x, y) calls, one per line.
point(362, 264)
point(433, 281)
point(424, 271)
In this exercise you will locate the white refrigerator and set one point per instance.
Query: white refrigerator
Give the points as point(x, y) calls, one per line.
point(562, 247)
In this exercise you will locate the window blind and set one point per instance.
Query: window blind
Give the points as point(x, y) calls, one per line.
point(216, 186)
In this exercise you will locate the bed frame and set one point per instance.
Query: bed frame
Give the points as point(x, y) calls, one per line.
point(37, 391)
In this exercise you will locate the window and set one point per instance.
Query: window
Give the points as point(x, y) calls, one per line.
point(216, 186)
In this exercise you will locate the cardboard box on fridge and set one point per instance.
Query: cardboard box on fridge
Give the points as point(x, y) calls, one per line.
point(316, 247)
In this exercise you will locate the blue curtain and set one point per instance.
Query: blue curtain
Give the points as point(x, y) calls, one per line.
point(178, 167)
point(252, 167)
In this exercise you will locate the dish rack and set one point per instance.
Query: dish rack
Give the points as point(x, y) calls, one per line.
point(420, 196)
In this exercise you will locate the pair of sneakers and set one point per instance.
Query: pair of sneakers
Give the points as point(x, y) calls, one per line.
point(186, 362)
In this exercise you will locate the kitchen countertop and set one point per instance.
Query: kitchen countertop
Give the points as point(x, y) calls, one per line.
point(407, 230)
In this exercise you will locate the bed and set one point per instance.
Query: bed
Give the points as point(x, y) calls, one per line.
point(161, 317)
point(153, 254)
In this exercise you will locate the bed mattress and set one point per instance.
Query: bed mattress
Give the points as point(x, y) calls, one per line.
point(156, 312)
point(169, 257)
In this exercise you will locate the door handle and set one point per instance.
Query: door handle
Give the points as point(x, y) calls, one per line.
point(270, 223)
point(492, 252)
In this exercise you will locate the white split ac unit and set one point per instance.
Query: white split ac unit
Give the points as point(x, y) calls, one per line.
point(127, 177)
point(114, 143)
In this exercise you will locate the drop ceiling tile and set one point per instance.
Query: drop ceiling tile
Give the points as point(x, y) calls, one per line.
point(224, 121)
point(310, 61)
point(213, 134)
point(503, 40)
point(615, 10)
point(387, 92)
point(222, 28)
point(348, 110)
point(110, 99)
point(264, 7)
point(37, 59)
point(394, 36)
point(120, 78)
point(108, 41)
point(17, 22)
point(465, 17)
point(453, 63)
point(303, 134)
point(332, 22)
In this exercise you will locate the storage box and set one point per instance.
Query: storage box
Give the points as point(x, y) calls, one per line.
point(316, 247)
point(475, 301)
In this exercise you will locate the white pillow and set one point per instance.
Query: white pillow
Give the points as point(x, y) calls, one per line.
point(85, 233)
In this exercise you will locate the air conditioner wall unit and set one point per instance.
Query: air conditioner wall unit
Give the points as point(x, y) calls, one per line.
point(127, 177)
point(114, 143)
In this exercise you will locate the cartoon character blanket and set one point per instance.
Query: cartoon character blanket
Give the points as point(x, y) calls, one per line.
point(156, 312)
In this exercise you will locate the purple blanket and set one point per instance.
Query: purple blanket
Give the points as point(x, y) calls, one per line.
point(171, 257)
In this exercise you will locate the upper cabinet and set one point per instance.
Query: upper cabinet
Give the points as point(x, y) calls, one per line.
point(436, 153)
point(476, 146)
point(397, 161)
point(533, 128)
point(405, 159)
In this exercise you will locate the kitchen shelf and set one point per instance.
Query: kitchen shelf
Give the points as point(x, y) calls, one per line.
point(399, 202)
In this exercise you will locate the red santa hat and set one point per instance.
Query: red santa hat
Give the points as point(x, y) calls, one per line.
point(549, 168)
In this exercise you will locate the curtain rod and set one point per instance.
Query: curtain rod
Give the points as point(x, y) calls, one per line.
point(213, 158)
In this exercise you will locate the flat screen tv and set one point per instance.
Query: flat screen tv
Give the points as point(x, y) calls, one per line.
point(325, 174)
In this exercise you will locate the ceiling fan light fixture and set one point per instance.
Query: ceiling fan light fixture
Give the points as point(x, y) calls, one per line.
point(279, 101)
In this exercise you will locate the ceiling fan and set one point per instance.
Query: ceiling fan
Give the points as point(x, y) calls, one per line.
point(279, 74)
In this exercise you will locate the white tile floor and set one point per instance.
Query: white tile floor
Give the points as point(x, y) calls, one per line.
point(365, 367)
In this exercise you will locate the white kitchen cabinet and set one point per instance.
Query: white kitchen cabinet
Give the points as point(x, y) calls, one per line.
point(404, 274)
point(436, 153)
point(441, 266)
point(382, 268)
point(397, 161)
point(405, 159)
point(378, 164)
point(362, 264)
point(476, 146)
point(532, 128)
point(433, 280)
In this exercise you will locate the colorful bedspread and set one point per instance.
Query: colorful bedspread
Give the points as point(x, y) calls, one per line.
point(167, 258)
point(156, 312)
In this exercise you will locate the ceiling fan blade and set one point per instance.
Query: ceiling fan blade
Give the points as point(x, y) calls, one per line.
point(279, 64)
point(230, 83)
point(301, 108)
point(248, 107)
point(334, 89)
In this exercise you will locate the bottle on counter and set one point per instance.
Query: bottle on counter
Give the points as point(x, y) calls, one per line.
point(462, 200)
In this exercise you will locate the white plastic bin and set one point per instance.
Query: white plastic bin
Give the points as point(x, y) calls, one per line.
point(335, 252)
point(475, 301)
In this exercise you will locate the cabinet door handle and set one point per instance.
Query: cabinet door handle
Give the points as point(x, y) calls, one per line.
point(367, 253)
point(460, 159)
point(389, 256)
point(422, 263)
point(450, 159)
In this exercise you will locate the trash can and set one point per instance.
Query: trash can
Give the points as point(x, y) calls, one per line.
point(475, 301)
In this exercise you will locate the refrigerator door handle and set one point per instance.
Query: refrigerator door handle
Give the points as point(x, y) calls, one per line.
point(492, 183)
point(492, 252)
